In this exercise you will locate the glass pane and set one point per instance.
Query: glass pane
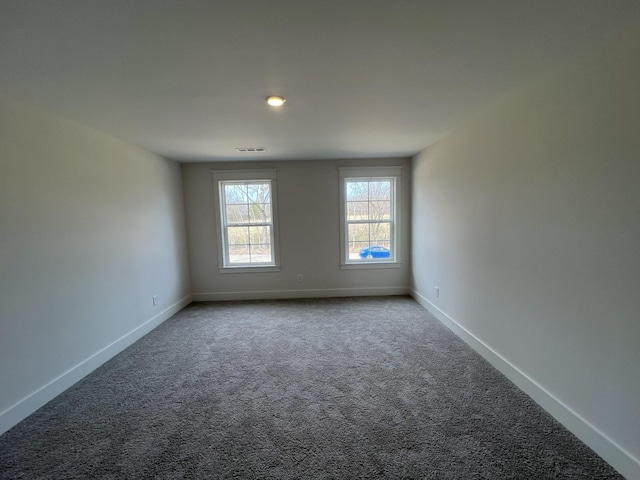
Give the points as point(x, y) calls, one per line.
point(238, 235)
point(259, 235)
point(357, 210)
point(239, 254)
point(235, 194)
point(237, 214)
point(380, 210)
point(356, 248)
point(260, 213)
point(357, 191)
point(259, 192)
point(380, 190)
point(359, 232)
point(380, 232)
point(261, 253)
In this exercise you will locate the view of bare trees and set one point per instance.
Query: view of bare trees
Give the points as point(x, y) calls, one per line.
point(248, 218)
point(248, 222)
point(368, 215)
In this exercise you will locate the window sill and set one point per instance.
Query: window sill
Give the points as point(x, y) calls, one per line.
point(368, 265)
point(254, 269)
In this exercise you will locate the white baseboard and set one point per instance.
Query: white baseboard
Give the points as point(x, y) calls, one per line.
point(25, 407)
point(302, 293)
point(609, 450)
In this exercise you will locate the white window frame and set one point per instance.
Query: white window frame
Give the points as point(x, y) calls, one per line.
point(245, 176)
point(371, 174)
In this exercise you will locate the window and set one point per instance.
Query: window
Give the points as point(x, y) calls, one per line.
point(369, 217)
point(246, 220)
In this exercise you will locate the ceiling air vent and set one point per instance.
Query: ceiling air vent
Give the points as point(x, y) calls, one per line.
point(251, 149)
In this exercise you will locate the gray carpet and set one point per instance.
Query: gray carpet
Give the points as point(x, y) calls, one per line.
point(323, 388)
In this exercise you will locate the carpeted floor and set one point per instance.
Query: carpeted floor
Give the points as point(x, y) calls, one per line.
point(323, 388)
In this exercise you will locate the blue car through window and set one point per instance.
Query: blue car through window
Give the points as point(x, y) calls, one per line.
point(375, 251)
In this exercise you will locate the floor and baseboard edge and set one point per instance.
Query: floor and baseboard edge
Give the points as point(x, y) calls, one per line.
point(25, 407)
point(301, 293)
point(608, 449)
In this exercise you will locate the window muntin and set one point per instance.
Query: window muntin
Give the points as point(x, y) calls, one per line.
point(246, 214)
point(369, 214)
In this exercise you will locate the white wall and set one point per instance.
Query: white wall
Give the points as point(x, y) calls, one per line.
point(90, 229)
point(528, 219)
point(309, 236)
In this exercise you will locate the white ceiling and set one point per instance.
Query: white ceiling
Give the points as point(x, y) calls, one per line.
point(187, 79)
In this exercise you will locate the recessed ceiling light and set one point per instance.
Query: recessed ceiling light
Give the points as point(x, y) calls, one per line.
point(276, 100)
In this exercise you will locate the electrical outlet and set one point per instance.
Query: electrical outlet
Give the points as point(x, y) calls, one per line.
point(437, 289)
point(300, 277)
point(155, 300)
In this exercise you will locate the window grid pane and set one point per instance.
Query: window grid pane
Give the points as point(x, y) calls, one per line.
point(237, 236)
point(237, 213)
point(380, 210)
point(380, 232)
point(357, 191)
point(235, 194)
point(380, 190)
point(357, 210)
point(259, 213)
